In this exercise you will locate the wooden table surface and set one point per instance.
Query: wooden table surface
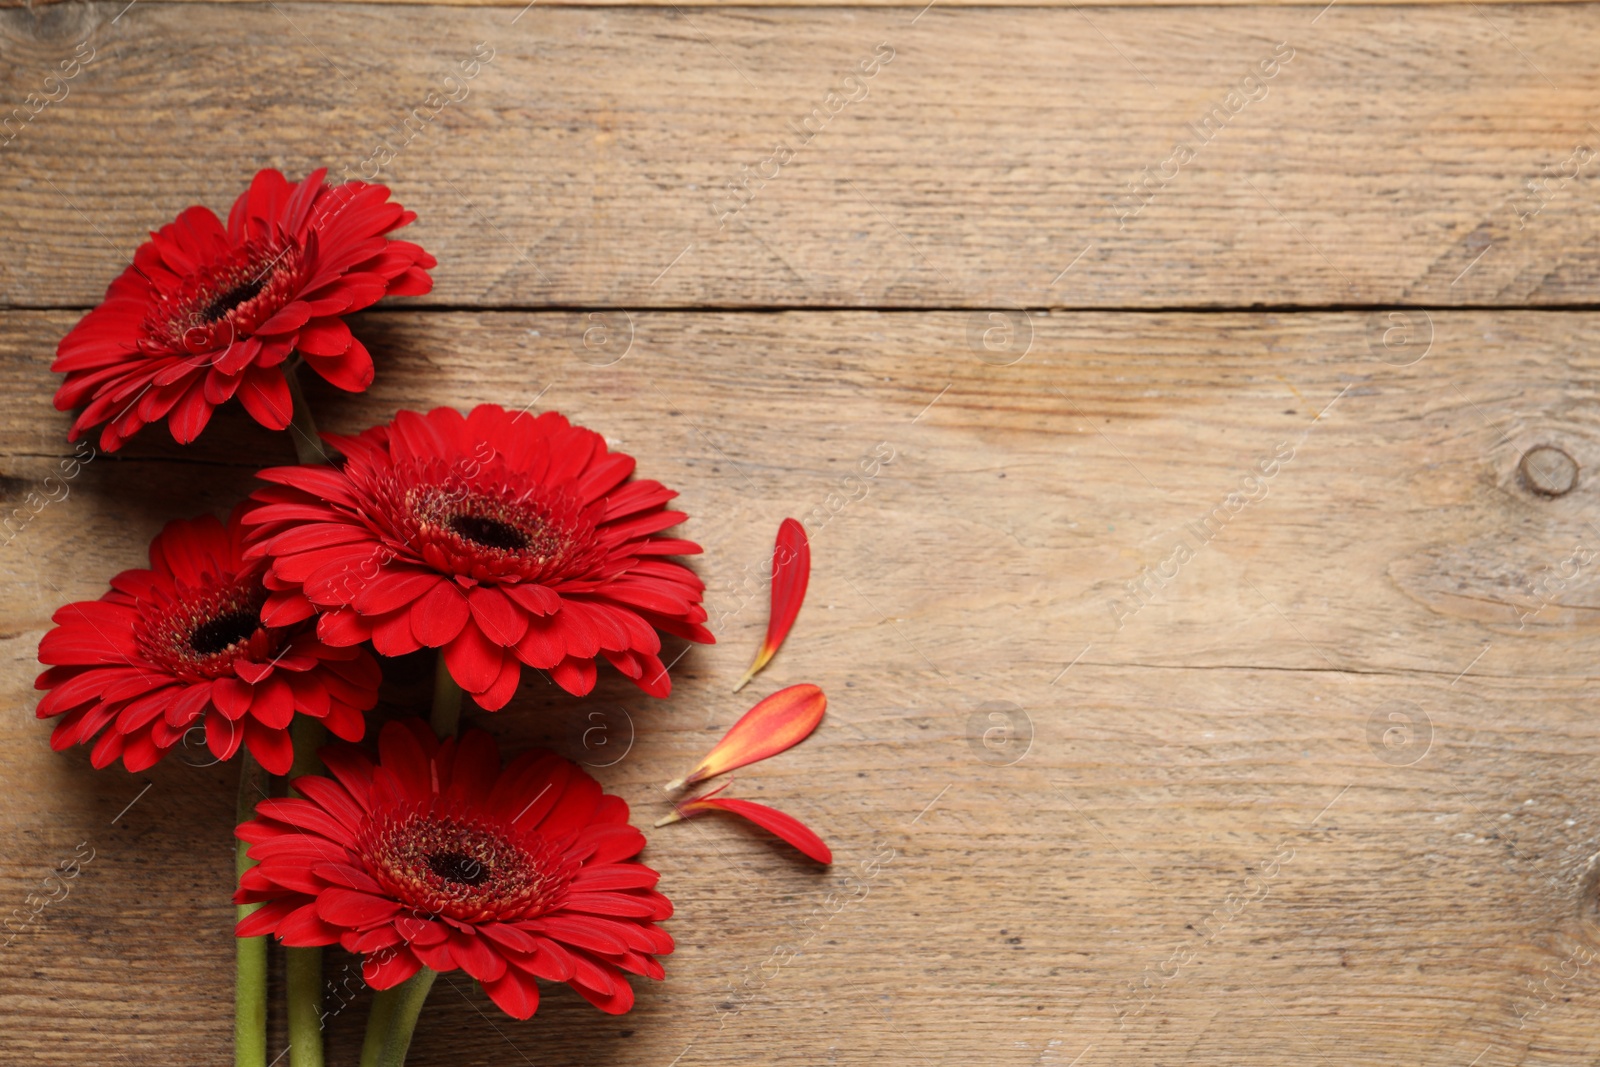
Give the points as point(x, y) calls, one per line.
point(1212, 658)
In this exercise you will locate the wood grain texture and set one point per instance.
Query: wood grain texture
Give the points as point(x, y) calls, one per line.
point(910, 9)
point(1325, 794)
point(990, 163)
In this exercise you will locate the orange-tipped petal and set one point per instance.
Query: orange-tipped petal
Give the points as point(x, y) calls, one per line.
point(791, 570)
point(779, 722)
point(772, 820)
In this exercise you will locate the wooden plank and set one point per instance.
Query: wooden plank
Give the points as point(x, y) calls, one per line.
point(1006, 157)
point(511, 9)
point(1322, 794)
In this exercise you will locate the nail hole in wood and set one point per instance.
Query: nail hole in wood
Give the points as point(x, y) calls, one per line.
point(1549, 471)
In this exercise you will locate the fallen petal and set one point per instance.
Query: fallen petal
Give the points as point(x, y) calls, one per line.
point(773, 821)
point(791, 570)
point(779, 722)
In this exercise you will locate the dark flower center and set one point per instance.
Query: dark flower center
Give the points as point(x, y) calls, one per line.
point(458, 867)
point(201, 630)
point(477, 519)
point(218, 309)
point(440, 860)
point(490, 533)
point(492, 528)
point(222, 633)
point(223, 302)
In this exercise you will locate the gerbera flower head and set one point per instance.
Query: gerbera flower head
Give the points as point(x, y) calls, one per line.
point(435, 856)
point(505, 539)
point(182, 646)
point(208, 312)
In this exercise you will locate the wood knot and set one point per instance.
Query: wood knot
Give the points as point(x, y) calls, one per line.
point(1549, 471)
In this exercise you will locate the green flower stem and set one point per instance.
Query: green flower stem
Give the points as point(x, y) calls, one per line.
point(378, 1017)
point(302, 427)
point(250, 981)
point(446, 717)
point(304, 982)
point(303, 966)
point(308, 735)
point(393, 1018)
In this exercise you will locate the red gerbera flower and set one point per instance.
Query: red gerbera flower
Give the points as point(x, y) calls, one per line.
point(436, 857)
point(206, 313)
point(182, 646)
point(502, 538)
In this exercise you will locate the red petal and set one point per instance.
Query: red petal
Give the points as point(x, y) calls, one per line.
point(303, 929)
point(575, 809)
point(787, 827)
point(553, 962)
point(265, 395)
point(542, 645)
point(535, 599)
point(617, 1002)
point(288, 318)
point(349, 877)
point(391, 634)
point(615, 905)
point(271, 748)
point(389, 590)
point(273, 705)
point(311, 820)
point(332, 798)
point(791, 570)
point(516, 993)
point(388, 967)
point(476, 956)
point(351, 768)
point(777, 723)
point(324, 337)
point(580, 931)
point(351, 370)
point(377, 939)
point(265, 919)
point(574, 675)
point(345, 722)
point(596, 878)
point(501, 621)
point(439, 616)
point(436, 957)
point(505, 686)
point(346, 907)
point(191, 414)
point(343, 628)
point(231, 696)
point(405, 751)
point(511, 937)
point(473, 659)
point(250, 671)
point(423, 932)
point(223, 738)
point(414, 282)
